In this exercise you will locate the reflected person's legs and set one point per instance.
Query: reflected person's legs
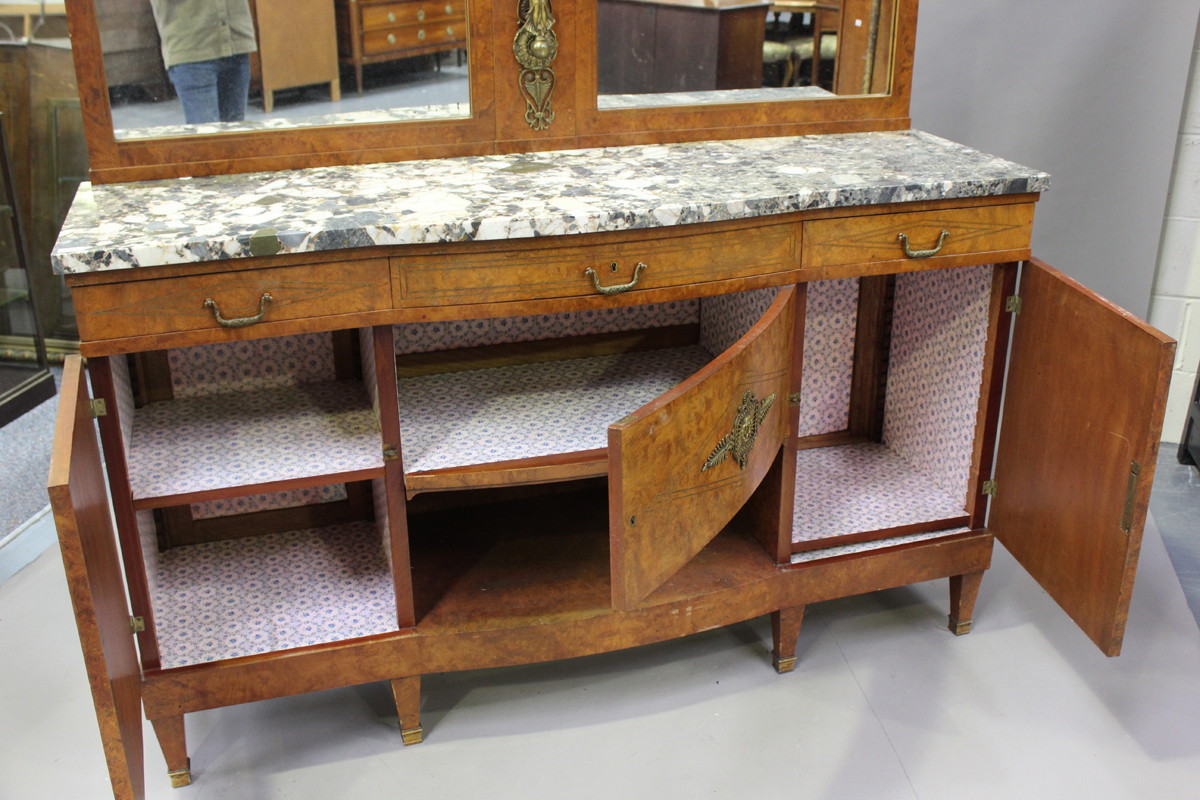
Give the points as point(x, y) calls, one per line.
point(196, 85)
point(233, 84)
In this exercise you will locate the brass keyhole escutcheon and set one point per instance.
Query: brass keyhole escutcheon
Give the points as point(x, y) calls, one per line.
point(391, 38)
point(421, 15)
point(421, 34)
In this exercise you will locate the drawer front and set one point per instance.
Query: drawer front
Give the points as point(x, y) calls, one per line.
point(680, 467)
point(872, 239)
point(394, 14)
point(533, 274)
point(410, 37)
point(138, 308)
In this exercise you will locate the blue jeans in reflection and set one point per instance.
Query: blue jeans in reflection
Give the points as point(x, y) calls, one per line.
point(213, 90)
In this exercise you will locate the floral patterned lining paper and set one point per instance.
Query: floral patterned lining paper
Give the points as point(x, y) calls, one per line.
point(830, 319)
point(921, 471)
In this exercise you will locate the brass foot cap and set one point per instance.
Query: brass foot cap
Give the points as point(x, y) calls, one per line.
point(959, 628)
point(181, 777)
point(412, 735)
point(783, 665)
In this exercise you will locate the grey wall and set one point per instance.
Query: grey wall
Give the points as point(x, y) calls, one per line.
point(1090, 91)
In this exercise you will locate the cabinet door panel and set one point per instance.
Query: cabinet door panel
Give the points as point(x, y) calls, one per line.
point(664, 504)
point(89, 549)
point(1085, 400)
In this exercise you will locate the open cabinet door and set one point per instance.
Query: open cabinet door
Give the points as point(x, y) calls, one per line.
point(681, 466)
point(1087, 389)
point(79, 499)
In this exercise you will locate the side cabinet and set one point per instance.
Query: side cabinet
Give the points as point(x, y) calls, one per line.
point(706, 474)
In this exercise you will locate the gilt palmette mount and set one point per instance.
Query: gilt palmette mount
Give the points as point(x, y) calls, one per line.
point(740, 441)
point(535, 47)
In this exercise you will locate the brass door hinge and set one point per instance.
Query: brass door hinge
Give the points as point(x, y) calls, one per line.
point(1130, 493)
point(989, 488)
point(390, 452)
point(98, 408)
point(1013, 303)
point(137, 624)
point(794, 399)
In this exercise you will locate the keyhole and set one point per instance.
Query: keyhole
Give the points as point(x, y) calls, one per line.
point(612, 267)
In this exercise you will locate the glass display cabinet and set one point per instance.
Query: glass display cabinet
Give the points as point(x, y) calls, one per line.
point(583, 363)
point(25, 378)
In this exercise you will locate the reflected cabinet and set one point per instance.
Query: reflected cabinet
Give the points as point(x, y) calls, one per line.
point(388, 420)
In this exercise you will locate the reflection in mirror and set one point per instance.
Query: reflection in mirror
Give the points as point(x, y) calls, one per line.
point(686, 52)
point(187, 67)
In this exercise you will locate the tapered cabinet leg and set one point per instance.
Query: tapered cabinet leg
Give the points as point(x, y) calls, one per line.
point(963, 591)
point(785, 628)
point(169, 731)
point(407, 692)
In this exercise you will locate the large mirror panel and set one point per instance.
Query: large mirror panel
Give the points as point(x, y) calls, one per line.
point(689, 52)
point(188, 67)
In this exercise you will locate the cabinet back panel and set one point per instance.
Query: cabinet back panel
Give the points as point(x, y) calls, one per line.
point(830, 319)
point(725, 318)
point(939, 338)
point(252, 364)
point(426, 337)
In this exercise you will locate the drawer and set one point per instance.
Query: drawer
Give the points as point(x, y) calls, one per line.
point(410, 37)
point(536, 272)
point(389, 16)
point(1001, 230)
point(167, 305)
point(681, 466)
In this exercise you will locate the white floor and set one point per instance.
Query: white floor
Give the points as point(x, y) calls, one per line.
point(885, 703)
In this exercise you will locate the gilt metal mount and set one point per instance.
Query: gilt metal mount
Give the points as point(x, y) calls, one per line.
point(740, 441)
point(535, 46)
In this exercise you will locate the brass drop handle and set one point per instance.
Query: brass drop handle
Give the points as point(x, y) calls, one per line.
point(620, 287)
point(239, 322)
point(923, 253)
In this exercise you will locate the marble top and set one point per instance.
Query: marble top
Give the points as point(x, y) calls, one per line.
point(147, 224)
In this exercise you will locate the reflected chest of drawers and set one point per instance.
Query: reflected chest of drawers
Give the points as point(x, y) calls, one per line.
point(374, 31)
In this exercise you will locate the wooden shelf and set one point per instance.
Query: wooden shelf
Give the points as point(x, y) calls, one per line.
point(858, 492)
point(538, 561)
point(270, 593)
point(226, 445)
point(528, 423)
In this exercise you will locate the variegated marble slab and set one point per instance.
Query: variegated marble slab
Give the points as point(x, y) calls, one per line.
point(118, 226)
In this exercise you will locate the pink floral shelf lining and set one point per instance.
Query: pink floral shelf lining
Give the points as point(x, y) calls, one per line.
point(222, 441)
point(524, 411)
point(269, 593)
point(855, 488)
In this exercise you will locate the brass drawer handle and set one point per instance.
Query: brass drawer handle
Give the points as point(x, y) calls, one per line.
point(391, 17)
point(240, 322)
point(391, 38)
point(421, 35)
point(450, 30)
point(620, 287)
point(421, 15)
point(449, 9)
point(923, 253)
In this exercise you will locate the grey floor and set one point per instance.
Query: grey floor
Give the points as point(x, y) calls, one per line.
point(885, 703)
